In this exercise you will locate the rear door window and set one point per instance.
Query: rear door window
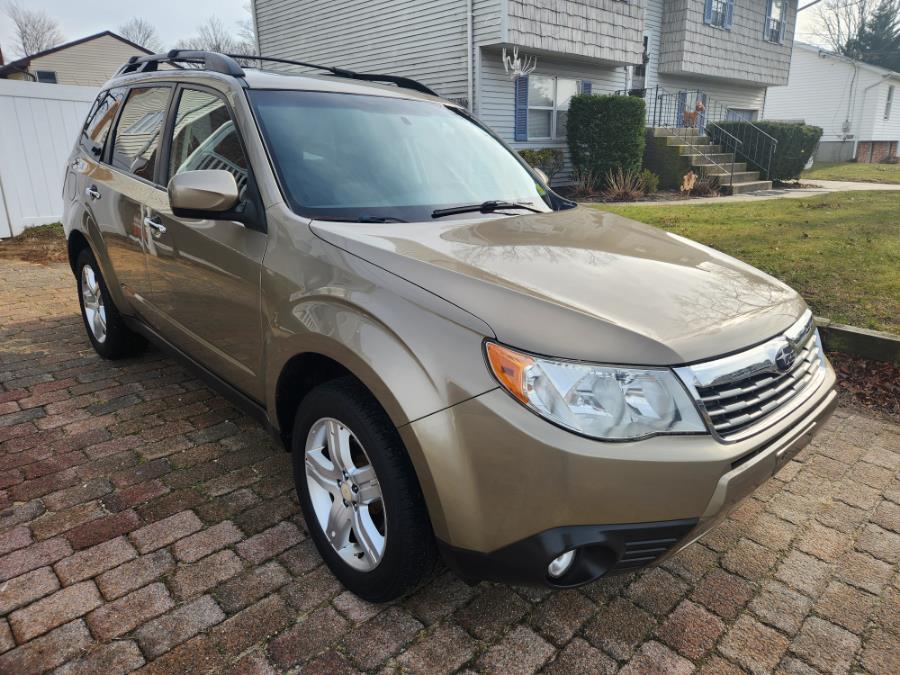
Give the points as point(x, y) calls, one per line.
point(138, 131)
point(99, 120)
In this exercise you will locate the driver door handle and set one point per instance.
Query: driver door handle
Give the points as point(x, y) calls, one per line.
point(93, 192)
point(156, 226)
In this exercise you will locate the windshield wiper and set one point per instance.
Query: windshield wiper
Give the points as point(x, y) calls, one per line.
point(484, 207)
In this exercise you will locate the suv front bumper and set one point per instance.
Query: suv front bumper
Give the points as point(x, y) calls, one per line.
point(508, 492)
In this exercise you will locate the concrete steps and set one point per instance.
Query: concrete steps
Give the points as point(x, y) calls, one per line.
point(739, 177)
point(751, 186)
point(710, 159)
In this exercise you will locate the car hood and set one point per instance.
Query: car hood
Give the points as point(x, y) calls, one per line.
point(583, 284)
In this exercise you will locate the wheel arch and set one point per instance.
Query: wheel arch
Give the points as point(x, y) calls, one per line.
point(75, 244)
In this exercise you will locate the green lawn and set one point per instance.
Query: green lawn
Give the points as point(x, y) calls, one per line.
point(841, 251)
point(870, 173)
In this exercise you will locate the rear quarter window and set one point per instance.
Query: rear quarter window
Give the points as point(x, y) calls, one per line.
point(99, 120)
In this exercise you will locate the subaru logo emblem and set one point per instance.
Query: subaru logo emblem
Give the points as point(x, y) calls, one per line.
point(784, 358)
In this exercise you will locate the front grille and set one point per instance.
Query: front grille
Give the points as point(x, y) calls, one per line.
point(741, 392)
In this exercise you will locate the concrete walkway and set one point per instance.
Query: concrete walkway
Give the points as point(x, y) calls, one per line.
point(818, 187)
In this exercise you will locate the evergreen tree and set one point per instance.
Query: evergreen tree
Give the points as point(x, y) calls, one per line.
point(877, 41)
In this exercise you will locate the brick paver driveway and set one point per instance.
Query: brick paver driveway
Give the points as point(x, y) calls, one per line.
point(144, 523)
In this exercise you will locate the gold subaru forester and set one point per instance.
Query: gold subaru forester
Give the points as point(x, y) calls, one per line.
point(462, 363)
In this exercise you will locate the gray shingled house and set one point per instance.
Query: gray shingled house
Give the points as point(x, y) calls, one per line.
point(724, 52)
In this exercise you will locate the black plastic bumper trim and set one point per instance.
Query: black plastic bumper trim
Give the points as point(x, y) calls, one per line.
point(601, 550)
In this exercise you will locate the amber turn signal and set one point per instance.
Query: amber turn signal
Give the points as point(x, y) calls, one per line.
point(509, 368)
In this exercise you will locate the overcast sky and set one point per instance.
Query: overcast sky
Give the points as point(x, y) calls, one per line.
point(174, 19)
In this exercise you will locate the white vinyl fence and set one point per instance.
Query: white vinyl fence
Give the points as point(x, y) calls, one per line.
point(38, 126)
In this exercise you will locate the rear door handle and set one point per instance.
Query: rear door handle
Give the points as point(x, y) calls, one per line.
point(93, 192)
point(156, 226)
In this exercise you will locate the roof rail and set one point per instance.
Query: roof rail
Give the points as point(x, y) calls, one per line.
point(404, 82)
point(218, 63)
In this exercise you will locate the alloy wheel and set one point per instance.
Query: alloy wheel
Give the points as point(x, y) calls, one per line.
point(94, 309)
point(345, 494)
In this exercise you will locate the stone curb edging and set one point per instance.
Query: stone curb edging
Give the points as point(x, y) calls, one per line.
point(859, 342)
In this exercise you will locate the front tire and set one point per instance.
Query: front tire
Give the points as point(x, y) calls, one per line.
point(359, 493)
point(106, 330)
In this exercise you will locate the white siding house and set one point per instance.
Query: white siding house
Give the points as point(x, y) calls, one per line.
point(726, 51)
point(90, 61)
point(853, 102)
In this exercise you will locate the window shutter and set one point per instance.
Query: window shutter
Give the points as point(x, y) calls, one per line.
point(707, 12)
point(521, 132)
point(729, 13)
point(586, 87)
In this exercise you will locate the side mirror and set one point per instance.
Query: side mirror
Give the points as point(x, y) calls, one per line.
point(195, 193)
point(542, 175)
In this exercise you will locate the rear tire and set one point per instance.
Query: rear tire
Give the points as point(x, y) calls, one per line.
point(106, 329)
point(372, 489)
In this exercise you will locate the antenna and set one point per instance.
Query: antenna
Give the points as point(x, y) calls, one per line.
point(516, 66)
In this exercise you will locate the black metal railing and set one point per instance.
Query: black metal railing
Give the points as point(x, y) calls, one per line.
point(678, 110)
point(688, 137)
point(757, 147)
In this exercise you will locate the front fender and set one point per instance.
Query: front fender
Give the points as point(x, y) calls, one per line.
point(424, 364)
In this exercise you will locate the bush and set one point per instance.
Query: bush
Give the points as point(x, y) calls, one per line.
point(548, 160)
point(796, 144)
point(624, 186)
point(650, 180)
point(606, 133)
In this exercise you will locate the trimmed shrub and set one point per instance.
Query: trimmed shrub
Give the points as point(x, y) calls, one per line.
point(796, 144)
point(606, 133)
point(651, 181)
point(548, 160)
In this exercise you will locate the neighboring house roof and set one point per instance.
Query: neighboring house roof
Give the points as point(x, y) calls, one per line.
point(884, 72)
point(22, 64)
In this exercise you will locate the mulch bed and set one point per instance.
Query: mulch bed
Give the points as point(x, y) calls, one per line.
point(872, 385)
point(46, 244)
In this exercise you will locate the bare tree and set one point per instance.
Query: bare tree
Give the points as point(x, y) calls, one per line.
point(212, 36)
point(141, 32)
point(840, 21)
point(35, 29)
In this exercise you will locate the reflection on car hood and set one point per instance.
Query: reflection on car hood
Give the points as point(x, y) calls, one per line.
point(583, 284)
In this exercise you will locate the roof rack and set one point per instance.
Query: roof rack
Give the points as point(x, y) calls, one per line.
point(228, 65)
point(219, 63)
point(404, 82)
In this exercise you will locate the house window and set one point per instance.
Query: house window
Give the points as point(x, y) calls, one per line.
point(548, 106)
point(775, 16)
point(889, 103)
point(47, 76)
point(718, 13)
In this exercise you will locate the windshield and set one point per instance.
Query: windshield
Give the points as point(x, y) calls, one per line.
point(351, 157)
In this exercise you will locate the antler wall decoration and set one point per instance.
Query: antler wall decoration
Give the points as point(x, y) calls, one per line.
point(516, 66)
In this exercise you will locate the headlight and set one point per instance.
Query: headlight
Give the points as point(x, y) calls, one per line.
point(605, 402)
